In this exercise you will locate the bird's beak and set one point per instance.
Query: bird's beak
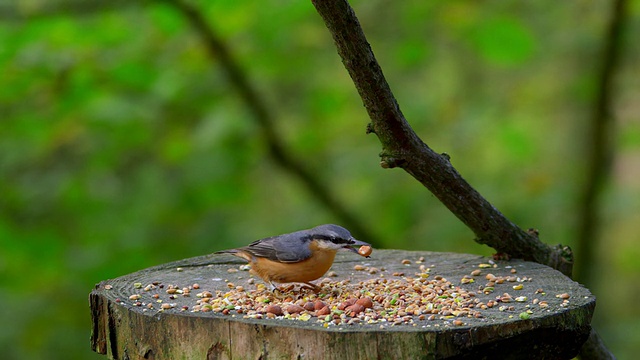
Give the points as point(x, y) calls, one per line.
point(358, 242)
point(355, 243)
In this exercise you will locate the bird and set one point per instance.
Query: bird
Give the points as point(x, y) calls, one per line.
point(297, 257)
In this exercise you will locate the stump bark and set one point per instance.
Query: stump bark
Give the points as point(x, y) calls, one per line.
point(136, 316)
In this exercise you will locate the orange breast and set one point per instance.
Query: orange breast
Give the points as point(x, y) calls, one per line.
point(303, 271)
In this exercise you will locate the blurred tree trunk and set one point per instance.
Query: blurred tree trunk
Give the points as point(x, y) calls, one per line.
point(599, 148)
point(600, 152)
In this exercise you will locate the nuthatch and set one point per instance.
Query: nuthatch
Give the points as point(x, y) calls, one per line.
point(300, 256)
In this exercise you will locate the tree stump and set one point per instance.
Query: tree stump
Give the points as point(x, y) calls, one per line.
point(425, 305)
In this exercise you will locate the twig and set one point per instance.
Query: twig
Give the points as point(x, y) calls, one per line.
point(401, 147)
point(277, 150)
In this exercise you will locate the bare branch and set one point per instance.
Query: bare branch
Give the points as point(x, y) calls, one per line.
point(261, 114)
point(401, 147)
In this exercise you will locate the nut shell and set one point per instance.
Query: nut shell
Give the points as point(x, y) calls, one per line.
point(324, 311)
point(294, 309)
point(354, 309)
point(273, 309)
point(365, 250)
point(365, 302)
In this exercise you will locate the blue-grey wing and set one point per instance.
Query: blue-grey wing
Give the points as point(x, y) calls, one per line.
point(287, 248)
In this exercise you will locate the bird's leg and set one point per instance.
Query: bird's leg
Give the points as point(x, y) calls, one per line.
point(281, 289)
point(272, 287)
point(316, 289)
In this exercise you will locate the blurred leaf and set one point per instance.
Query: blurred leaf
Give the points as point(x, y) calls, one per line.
point(516, 137)
point(503, 41)
point(412, 52)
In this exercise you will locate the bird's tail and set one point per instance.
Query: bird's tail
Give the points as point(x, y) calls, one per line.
point(236, 252)
point(230, 251)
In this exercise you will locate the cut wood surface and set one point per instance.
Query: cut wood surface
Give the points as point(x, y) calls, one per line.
point(136, 316)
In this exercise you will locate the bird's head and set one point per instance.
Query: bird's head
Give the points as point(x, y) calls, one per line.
point(335, 237)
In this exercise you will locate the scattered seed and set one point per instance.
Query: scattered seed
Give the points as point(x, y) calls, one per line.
point(354, 309)
point(294, 309)
point(319, 304)
point(309, 306)
point(324, 311)
point(466, 280)
point(274, 310)
point(365, 302)
point(346, 303)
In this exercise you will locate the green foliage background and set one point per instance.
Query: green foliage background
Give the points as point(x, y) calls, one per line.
point(123, 146)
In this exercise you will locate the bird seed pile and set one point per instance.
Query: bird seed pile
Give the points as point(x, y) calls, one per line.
point(388, 299)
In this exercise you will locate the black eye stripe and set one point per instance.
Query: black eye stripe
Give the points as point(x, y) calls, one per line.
point(333, 240)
